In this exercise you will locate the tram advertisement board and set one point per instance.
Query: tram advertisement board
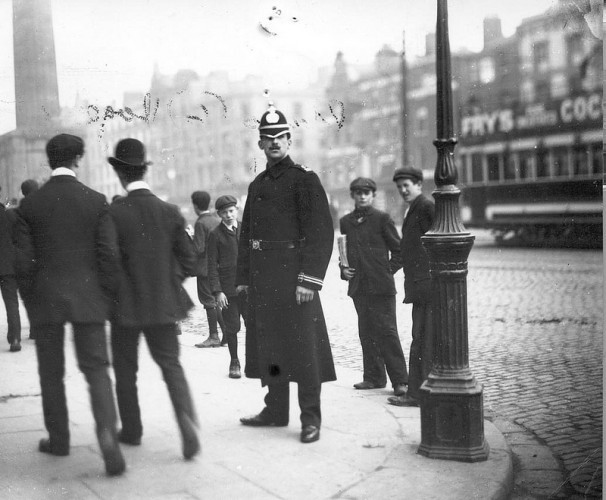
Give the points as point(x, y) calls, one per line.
point(572, 113)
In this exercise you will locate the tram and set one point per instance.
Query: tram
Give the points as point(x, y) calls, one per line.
point(533, 175)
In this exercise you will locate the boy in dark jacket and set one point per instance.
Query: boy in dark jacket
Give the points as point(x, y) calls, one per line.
point(222, 261)
point(371, 237)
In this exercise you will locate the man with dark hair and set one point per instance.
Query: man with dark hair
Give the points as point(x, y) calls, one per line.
point(67, 262)
point(157, 254)
point(8, 279)
point(371, 237)
point(284, 250)
point(418, 219)
point(205, 223)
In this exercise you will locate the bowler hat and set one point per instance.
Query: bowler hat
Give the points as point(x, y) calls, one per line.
point(225, 201)
point(363, 183)
point(63, 148)
point(129, 153)
point(273, 123)
point(412, 173)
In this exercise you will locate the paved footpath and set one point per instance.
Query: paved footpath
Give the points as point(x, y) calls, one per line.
point(367, 448)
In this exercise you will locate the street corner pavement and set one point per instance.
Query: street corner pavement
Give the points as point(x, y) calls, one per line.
point(367, 447)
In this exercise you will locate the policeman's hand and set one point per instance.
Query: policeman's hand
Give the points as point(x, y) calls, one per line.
point(304, 295)
point(348, 272)
point(222, 301)
point(242, 288)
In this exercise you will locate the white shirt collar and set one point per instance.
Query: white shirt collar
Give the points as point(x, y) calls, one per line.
point(133, 186)
point(234, 227)
point(63, 171)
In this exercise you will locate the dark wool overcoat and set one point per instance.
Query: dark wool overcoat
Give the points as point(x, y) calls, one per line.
point(223, 259)
point(284, 340)
point(372, 242)
point(66, 253)
point(414, 258)
point(156, 255)
point(7, 250)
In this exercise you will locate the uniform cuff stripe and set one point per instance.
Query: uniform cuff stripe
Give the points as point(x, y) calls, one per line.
point(310, 279)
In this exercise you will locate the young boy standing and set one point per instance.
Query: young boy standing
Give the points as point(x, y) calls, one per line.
point(371, 237)
point(222, 261)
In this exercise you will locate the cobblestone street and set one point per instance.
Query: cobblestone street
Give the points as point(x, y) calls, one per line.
point(535, 336)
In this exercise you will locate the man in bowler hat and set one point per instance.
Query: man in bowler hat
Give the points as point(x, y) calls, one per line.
point(156, 256)
point(284, 250)
point(418, 219)
point(67, 262)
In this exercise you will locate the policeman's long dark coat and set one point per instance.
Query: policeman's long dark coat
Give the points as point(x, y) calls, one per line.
point(156, 255)
point(286, 341)
point(370, 240)
point(414, 258)
point(66, 253)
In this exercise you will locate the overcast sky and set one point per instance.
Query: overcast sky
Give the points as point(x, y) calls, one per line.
point(106, 47)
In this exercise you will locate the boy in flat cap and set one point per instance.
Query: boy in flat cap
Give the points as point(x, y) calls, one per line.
point(156, 254)
point(418, 219)
point(371, 238)
point(68, 270)
point(284, 250)
point(222, 262)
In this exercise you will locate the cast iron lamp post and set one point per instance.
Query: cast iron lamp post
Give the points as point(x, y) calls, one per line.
point(452, 416)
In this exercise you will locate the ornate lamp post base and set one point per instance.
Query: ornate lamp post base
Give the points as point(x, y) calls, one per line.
point(452, 424)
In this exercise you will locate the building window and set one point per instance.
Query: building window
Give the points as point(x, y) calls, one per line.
point(527, 92)
point(542, 91)
point(477, 172)
point(421, 121)
point(510, 166)
point(526, 161)
point(487, 70)
point(580, 160)
point(559, 85)
point(574, 50)
point(597, 158)
point(540, 56)
point(542, 163)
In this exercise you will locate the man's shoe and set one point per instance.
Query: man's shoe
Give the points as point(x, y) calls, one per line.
point(15, 346)
point(400, 389)
point(262, 420)
point(189, 436)
point(126, 439)
point(405, 400)
point(234, 369)
point(112, 456)
point(310, 433)
point(45, 446)
point(210, 342)
point(223, 342)
point(366, 384)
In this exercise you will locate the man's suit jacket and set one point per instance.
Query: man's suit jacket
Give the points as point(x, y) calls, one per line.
point(156, 255)
point(372, 244)
point(203, 226)
point(66, 253)
point(223, 259)
point(415, 261)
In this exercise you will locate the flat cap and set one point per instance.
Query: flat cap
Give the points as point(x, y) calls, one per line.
point(63, 148)
point(363, 183)
point(225, 201)
point(408, 173)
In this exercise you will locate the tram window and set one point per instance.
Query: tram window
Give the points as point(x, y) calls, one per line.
point(597, 158)
point(542, 163)
point(476, 168)
point(526, 165)
point(493, 167)
point(560, 162)
point(580, 161)
point(510, 167)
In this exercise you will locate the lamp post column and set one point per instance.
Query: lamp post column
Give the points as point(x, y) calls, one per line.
point(452, 415)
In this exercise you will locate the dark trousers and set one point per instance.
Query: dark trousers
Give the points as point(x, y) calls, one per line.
point(421, 348)
point(213, 313)
point(164, 349)
point(8, 286)
point(278, 398)
point(381, 347)
point(93, 361)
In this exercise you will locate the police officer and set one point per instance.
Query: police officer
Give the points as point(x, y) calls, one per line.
point(284, 250)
